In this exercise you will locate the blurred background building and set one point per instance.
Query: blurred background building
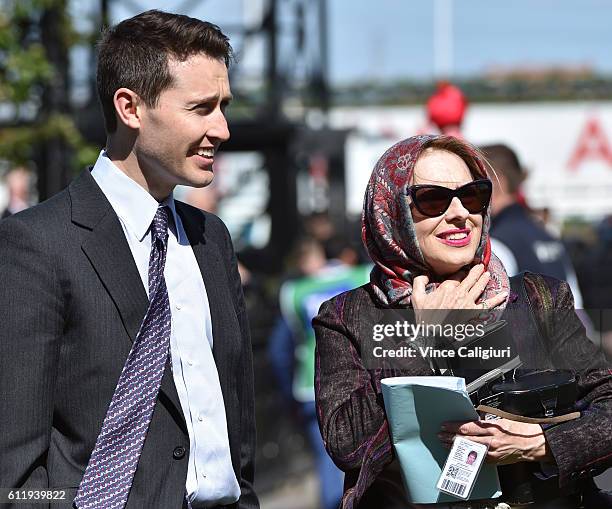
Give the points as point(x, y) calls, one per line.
point(322, 88)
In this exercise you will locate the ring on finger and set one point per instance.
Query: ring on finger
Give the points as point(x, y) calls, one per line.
point(484, 304)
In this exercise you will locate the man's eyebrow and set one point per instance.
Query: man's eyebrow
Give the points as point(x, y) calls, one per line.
point(210, 98)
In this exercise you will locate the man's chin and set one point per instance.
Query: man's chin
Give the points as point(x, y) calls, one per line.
point(203, 179)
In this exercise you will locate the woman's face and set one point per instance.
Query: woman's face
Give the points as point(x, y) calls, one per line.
point(449, 241)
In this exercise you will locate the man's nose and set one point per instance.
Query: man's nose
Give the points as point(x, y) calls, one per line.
point(219, 129)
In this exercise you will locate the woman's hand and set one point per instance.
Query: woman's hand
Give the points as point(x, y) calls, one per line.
point(453, 295)
point(508, 441)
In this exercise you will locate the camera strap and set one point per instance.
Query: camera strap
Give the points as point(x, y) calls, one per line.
point(531, 420)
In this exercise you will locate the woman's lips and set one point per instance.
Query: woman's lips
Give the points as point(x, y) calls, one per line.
point(444, 238)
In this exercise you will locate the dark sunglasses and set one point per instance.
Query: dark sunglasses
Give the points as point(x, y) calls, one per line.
point(433, 201)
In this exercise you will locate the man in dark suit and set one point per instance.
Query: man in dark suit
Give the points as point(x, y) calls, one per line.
point(126, 364)
point(518, 240)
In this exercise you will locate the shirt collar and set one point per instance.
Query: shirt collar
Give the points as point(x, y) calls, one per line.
point(130, 201)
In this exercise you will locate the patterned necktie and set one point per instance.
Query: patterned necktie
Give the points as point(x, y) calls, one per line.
point(110, 471)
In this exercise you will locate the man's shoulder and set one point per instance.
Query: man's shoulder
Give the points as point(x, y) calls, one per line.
point(82, 196)
point(212, 224)
point(41, 230)
point(515, 219)
point(53, 211)
point(185, 208)
point(197, 221)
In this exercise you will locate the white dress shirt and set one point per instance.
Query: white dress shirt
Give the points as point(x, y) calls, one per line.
point(210, 476)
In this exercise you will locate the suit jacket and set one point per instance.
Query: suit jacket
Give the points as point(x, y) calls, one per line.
point(71, 303)
point(349, 399)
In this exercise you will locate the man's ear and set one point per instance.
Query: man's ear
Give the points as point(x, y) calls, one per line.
point(127, 108)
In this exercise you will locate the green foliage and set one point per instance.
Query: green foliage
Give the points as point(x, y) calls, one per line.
point(23, 63)
point(25, 71)
point(16, 142)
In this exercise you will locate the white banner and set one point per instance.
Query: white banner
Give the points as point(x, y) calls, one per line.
point(566, 148)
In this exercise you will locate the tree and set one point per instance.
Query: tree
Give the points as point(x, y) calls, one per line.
point(35, 113)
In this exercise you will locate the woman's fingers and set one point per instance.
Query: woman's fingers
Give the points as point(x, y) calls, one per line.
point(473, 276)
point(496, 300)
point(479, 286)
point(453, 295)
point(449, 284)
point(418, 286)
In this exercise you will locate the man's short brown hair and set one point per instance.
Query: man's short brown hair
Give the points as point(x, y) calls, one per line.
point(134, 54)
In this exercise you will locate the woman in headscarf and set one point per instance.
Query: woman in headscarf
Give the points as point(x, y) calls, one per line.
point(425, 225)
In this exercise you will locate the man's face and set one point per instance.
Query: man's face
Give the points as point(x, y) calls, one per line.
point(178, 138)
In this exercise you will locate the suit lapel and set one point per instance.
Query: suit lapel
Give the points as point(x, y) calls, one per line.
point(105, 247)
point(109, 253)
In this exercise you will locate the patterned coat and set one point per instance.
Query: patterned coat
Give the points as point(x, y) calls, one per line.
point(350, 405)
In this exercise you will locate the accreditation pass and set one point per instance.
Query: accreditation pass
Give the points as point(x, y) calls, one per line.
point(462, 467)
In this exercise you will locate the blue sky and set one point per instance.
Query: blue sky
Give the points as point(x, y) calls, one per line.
point(394, 38)
point(485, 33)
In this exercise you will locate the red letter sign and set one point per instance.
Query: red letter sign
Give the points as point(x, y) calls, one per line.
point(592, 144)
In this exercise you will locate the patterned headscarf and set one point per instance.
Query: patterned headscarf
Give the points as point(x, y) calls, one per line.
point(388, 231)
